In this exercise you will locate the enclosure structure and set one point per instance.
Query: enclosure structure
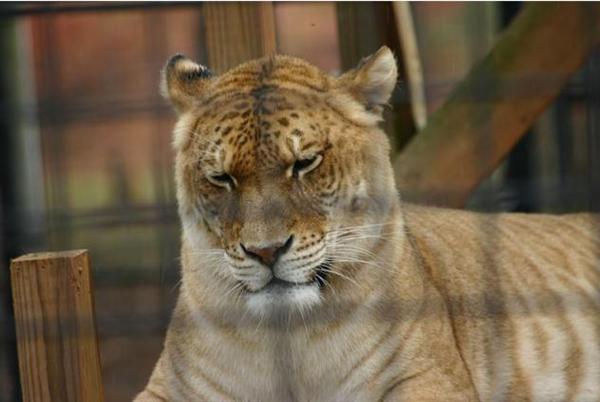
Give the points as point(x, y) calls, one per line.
point(86, 136)
point(55, 327)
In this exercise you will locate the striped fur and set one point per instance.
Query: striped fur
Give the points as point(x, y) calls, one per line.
point(391, 301)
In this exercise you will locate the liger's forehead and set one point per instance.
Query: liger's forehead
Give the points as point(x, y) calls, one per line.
point(267, 129)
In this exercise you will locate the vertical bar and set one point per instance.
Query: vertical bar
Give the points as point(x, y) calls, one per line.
point(22, 209)
point(237, 32)
point(56, 333)
point(412, 61)
point(592, 84)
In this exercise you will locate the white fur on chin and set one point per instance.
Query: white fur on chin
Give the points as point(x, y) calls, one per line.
point(277, 300)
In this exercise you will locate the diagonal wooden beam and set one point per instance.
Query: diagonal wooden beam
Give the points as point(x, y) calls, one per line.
point(484, 117)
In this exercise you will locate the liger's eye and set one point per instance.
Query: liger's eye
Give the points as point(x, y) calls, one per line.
point(305, 165)
point(222, 180)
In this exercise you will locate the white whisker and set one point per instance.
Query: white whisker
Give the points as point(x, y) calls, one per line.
point(330, 271)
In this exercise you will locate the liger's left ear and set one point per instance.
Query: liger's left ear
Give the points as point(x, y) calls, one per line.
point(373, 80)
point(184, 81)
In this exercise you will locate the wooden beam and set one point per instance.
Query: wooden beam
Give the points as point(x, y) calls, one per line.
point(56, 334)
point(484, 117)
point(237, 32)
point(412, 61)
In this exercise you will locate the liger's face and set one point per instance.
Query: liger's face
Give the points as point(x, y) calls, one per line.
point(283, 169)
point(279, 180)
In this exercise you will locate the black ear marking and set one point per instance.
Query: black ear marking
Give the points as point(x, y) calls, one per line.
point(174, 59)
point(203, 72)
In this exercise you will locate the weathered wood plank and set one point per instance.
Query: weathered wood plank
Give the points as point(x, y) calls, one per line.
point(56, 334)
point(412, 61)
point(237, 32)
point(484, 117)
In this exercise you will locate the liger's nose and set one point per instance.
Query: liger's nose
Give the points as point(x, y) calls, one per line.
point(268, 254)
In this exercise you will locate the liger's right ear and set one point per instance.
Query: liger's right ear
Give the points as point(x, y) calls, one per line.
point(183, 81)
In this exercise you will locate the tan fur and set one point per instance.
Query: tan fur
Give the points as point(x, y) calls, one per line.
point(421, 304)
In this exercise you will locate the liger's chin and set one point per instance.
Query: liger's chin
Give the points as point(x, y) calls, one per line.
point(279, 299)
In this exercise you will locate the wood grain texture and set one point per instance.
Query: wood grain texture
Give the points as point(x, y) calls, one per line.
point(412, 61)
point(237, 32)
point(56, 334)
point(485, 116)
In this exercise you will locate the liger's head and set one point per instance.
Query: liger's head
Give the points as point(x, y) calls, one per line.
point(283, 177)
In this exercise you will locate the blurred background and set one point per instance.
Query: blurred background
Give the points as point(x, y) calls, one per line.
point(86, 161)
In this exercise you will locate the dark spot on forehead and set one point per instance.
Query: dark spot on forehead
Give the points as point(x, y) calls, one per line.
point(226, 130)
point(264, 110)
point(229, 116)
point(284, 122)
point(295, 115)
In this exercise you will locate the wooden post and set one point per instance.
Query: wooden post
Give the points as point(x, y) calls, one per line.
point(56, 334)
point(485, 116)
point(237, 32)
point(412, 61)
